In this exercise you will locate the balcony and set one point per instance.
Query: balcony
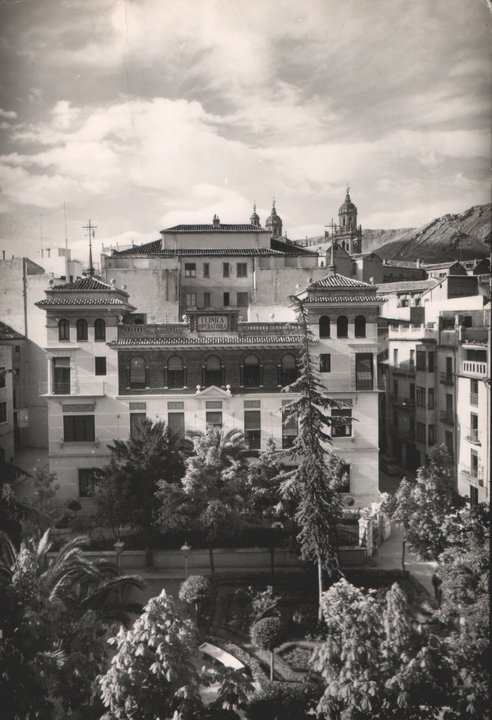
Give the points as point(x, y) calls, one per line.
point(411, 332)
point(474, 368)
point(61, 388)
point(472, 475)
point(446, 417)
point(80, 388)
point(405, 370)
point(446, 378)
point(473, 436)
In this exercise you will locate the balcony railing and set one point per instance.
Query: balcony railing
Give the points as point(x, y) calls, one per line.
point(61, 388)
point(446, 417)
point(471, 367)
point(473, 436)
point(472, 475)
point(408, 370)
point(80, 387)
point(446, 378)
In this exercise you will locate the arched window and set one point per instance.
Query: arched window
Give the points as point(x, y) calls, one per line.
point(212, 371)
point(63, 330)
point(100, 330)
point(324, 326)
point(360, 326)
point(82, 330)
point(137, 372)
point(175, 372)
point(288, 370)
point(251, 371)
point(342, 326)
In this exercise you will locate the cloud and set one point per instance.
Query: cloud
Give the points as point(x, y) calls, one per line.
point(8, 114)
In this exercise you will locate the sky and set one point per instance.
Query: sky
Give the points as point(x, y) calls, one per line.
point(142, 114)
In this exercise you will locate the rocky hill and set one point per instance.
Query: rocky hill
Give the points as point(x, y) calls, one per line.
point(466, 235)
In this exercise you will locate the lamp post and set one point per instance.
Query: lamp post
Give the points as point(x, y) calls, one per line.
point(118, 547)
point(186, 549)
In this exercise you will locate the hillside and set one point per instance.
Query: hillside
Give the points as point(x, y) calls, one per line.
point(440, 240)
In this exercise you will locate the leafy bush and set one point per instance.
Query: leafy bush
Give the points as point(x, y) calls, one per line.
point(266, 633)
point(306, 618)
point(289, 701)
point(195, 589)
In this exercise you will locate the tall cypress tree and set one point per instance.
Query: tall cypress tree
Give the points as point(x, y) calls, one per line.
point(313, 482)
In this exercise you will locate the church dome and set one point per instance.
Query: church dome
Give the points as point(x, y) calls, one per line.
point(348, 205)
point(274, 220)
point(255, 218)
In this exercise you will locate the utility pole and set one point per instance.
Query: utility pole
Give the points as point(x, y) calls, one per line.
point(91, 232)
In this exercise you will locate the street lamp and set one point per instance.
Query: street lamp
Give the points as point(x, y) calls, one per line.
point(118, 546)
point(186, 549)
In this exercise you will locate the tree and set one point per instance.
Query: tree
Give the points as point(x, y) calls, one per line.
point(113, 497)
point(211, 496)
point(266, 635)
point(422, 507)
point(194, 591)
point(55, 614)
point(137, 465)
point(152, 674)
point(375, 663)
point(264, 500)
point(42, 501)
point(313, 483)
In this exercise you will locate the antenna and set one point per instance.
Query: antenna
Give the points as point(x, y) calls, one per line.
point(41, 233)
point(67, 277)
point(91, 228)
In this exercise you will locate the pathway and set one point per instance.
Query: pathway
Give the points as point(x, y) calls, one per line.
point(390, 557)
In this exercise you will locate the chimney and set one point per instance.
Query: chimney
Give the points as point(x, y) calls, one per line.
point(216, 221)
point(419, 263)
point(3, 254)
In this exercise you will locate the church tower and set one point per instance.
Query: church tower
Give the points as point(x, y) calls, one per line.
point(274, 223)
point(255, 218)
point(347, 214)
point(348, 233)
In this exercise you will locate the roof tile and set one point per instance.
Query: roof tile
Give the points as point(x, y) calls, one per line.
point(338, 281)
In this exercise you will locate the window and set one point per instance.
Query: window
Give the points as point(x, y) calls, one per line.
point(474, 464)
point(289, 427)
point(176, 422)
point(190, 270)
point(225, 269)
point(252, 428)
point(430, 362)
point(251, 371)
point(175, 372)
point(206, 300)
point(242, 299)
point(360, 326)
point(448, 440)
point(100, 366)
point(190, 299)
point(61, 376)
point(364, 370)
point(430, 398)
point(138, 372)
point(214, 420)
point(324, 327)
point(344, 479)
point(341, 422)
point(3, 412)
point(412, 359)
point(242, 269)
point(420, 432)
point(431, 434)
point(473, 427)
point(2, 377)
point(421, 360)
point(136, 419)
point(420, 397)
point(473, 392)
point(325, 362)
point(206, 269)
point(473, 496)
point(99, 330)
point(396, 419)
point(79, 428)
point(212, 371)
point(63, 330)
point(86, 482)
point(227, 299)
point(395, 358)
point(449, 405)
point(288, 370)
point(342, 326)
point(395, 389)
point(82, 330)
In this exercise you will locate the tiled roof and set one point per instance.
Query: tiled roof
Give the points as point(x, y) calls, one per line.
point(345, 299)
point(222, 340)
point(86, 283)
point(437, 266)
point(80, 301)
point(401, 263)
point(214, 228)
point(406, 286)
point(8, 333)
point(338, 281)
point(203, 252)
point(289, 248)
